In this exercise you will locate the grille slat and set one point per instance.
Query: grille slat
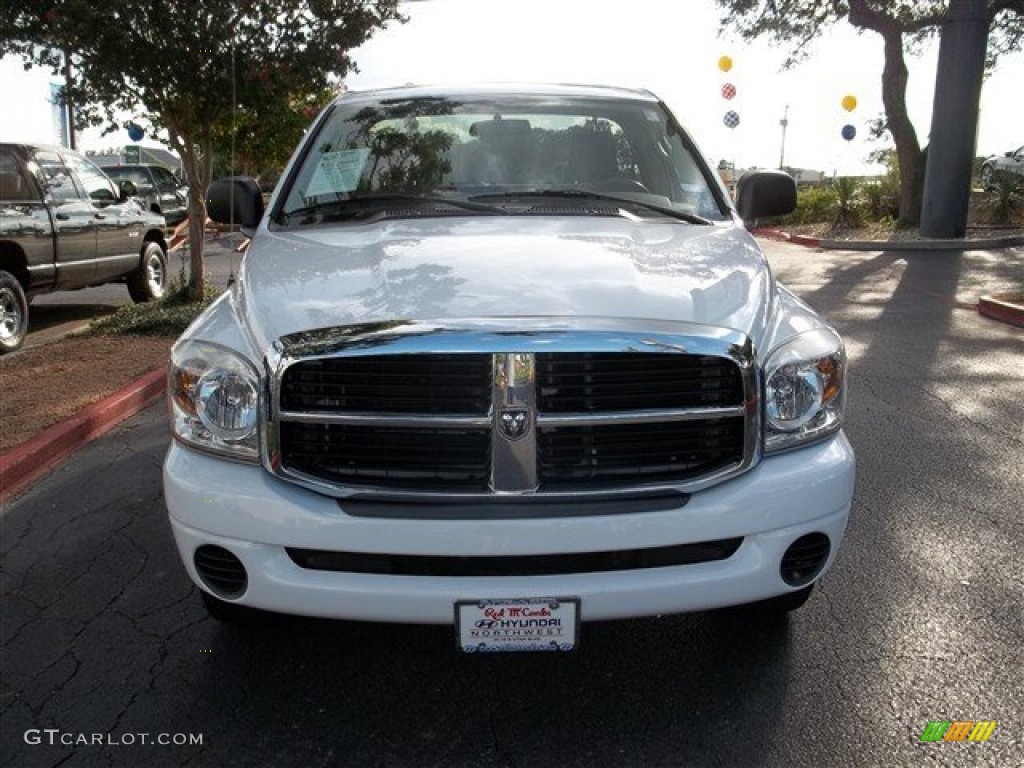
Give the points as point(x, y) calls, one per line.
point(429, 384)
point(437, 459)
point(601, 381)
point(522, 565)
point(605, 454)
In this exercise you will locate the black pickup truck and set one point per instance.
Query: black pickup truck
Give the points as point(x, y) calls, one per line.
point(65, 225)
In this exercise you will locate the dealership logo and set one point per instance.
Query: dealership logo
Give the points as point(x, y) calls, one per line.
point(958, 730)
point(514, 423)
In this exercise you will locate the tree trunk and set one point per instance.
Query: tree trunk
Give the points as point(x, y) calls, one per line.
point(197, 172)
point(947, 191)
point(908, 149)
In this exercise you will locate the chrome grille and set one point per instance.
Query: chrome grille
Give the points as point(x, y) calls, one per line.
point(452, 412)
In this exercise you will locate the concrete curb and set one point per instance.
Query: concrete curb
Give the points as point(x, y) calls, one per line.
point(983, 244)
point(24, 463)
point(995, 307)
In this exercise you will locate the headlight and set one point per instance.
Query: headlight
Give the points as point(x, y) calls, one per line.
point(214, 399)
point(804, 390)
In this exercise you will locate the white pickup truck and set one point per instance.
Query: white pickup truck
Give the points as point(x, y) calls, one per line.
point(505, 358)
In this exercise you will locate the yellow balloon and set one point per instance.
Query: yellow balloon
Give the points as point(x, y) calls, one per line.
point(725, 63)
point(849, 103)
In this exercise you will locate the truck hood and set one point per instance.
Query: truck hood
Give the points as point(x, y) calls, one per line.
point(493, 267)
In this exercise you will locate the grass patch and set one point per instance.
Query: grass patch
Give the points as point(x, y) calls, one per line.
point(169, 316)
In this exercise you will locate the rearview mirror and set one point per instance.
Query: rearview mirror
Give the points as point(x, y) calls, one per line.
point(765, 193)
point(235, 200)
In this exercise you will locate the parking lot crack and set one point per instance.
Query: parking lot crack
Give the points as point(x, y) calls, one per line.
point(1006, 433)
point(495, 741)
point(840, 683)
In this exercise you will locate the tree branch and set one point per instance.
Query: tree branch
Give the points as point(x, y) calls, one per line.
point(864, 16)
point(880, 21)
point(998, 6)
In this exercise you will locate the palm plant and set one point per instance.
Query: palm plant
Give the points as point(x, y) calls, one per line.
point(1004, 200)
point(847, 198)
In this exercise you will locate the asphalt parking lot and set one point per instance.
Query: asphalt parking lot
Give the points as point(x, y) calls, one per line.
point(921, 619)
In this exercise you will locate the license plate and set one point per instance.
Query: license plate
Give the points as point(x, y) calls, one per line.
point(521, 624)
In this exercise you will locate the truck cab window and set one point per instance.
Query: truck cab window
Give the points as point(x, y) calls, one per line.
point(14, 185)
point(97, 186)
point(56, 177)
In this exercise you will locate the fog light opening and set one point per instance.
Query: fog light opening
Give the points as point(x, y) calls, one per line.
point(804, 559)
point(220, 571)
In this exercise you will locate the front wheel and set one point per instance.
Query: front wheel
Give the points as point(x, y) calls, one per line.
point(13, 313)
point(230, 613)
point(783, 604)
point(150, 279)
point(986, 177)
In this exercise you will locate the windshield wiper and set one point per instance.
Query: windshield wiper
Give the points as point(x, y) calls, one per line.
point(585, 194)
point(370, 205)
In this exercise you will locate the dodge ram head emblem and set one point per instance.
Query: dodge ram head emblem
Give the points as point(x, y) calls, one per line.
point(514, 423)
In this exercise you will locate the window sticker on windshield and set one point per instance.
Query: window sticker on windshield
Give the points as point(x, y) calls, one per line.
point(338, 172)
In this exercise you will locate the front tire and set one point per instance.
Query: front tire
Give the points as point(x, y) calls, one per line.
point(237, 615)
point(986, 177)
point(149, 281)
point(13, 313)
point(783, 604)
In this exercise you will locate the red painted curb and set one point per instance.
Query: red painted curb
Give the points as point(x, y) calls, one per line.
point(813, 242)
point(771, 234)
point(991, 306)
point(786, 237)
point(24, 463)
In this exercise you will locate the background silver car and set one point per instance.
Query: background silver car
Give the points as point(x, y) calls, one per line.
point(1008, 163)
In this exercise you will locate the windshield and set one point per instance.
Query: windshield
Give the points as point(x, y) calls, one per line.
point(454, 155)
point(136, 176)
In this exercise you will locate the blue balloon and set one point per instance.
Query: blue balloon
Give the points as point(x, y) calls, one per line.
point(135, 132)
point(849, 132)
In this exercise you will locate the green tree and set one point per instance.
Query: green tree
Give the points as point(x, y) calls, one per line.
point(189, 67)
point(902, 25)
point(258, 137)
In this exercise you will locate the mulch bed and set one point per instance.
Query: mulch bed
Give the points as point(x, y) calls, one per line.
point(45, 385)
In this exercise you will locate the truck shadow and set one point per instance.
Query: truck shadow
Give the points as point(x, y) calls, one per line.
point(47, 318)
point(654, 691)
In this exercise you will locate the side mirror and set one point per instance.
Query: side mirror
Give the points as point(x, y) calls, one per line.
point(235, 200)
point(765, 193)
point(128, 189)
point(103, 197)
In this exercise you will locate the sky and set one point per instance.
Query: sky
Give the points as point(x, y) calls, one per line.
point(670, 47)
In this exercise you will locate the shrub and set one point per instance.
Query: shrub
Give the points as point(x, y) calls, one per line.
point(813, 205)
point(880, 200)
point(1004, 200)
point(169, 316)
point(847, 201)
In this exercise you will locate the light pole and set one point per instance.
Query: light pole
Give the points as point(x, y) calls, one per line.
point(68, 104)
point(783, 122)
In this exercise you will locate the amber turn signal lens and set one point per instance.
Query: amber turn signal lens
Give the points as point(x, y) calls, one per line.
point(829, 370)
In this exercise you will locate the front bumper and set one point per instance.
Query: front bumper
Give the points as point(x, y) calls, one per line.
point(255, 516)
